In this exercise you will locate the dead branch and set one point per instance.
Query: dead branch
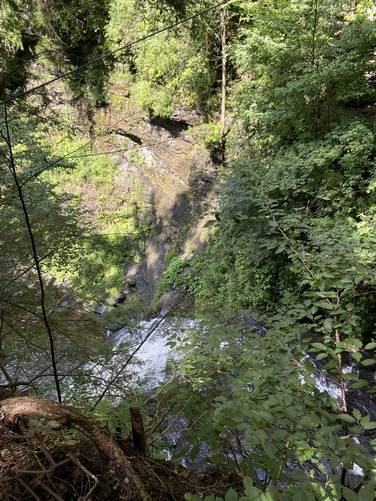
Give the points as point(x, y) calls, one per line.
point(138, 432)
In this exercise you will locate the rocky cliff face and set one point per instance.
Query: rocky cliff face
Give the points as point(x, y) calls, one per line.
point(175, 177)
point(159, 159)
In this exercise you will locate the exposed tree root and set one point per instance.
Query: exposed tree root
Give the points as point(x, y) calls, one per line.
point(12, 409)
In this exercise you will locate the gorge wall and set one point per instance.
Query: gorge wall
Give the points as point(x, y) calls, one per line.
point(177, 176)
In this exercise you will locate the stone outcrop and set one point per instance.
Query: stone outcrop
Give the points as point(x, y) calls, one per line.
point(175, 177)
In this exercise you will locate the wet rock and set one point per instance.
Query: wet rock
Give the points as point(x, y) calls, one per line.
point(246, 321)
point(101, 309)
point(169, 299)
point(364, 402)
point(354, 477)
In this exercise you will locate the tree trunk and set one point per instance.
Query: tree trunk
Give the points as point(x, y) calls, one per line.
point(13, 408)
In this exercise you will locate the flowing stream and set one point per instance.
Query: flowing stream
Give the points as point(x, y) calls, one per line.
point(152, 357)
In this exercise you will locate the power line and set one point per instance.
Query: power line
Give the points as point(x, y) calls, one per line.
point(109, 130)
point(146, 37)
point(130, 149)
point(113, 53)
point(106, 132)
point(71, 155)
point(28, 59)
point(36, 174)
point(122, 150)
point(98, 154)
point(37, 112)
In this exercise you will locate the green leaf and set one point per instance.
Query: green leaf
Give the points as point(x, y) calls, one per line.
point(368, 361)
point(321, 356)
point(270, 450)
point(231, 495)
point(349, 495)
point(357, 356)
point(370, 346)
point(347, 418)
point(369, 426)
point(249, 489)
point(351, 376)
point(354, 342)
point(357, 415)
point(365, 419)
point(319, 346)
point(367, 492)
point(248, 483)
point(267, 496)
point(328, 324)
point(359, 384)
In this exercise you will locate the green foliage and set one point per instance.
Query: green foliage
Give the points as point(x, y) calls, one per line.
point(173, 274)
point(208, 134)
point(76, 31)
point(16, 40)
point(318, 198)
point(130, 312)
point(294, 241)
point(224, 274)
point(114, 416)
point(68, 34)
point(9, 29)
point(302, 63)
point(312, 492)
point(295, 237)
point(112, 232)
point(168, 71)
point(25, 349)
point(259, 408)
point(32, 155)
